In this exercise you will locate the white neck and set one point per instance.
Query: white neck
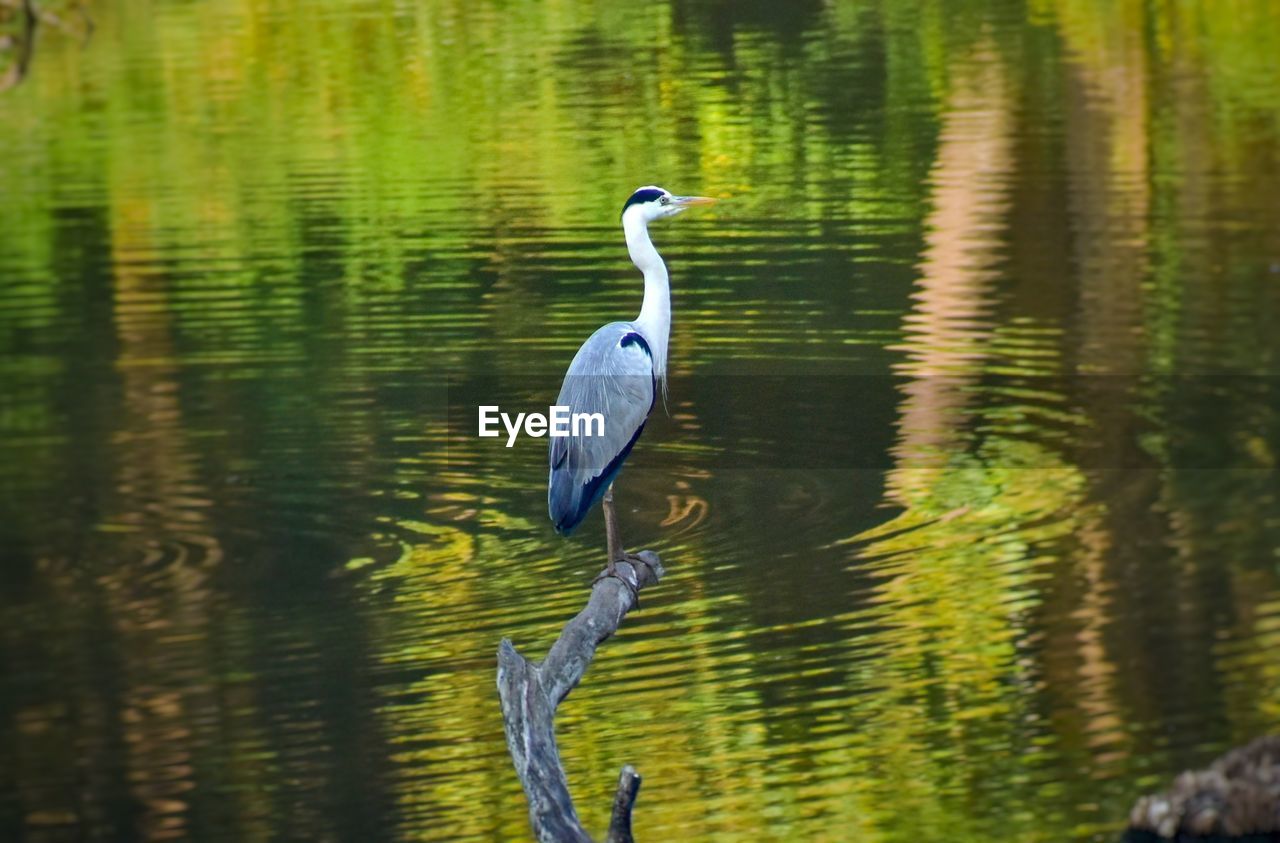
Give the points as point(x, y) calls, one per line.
point(654, 320)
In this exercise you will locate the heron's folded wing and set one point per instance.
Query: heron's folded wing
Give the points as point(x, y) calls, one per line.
point(610, 389)
point(611, 375)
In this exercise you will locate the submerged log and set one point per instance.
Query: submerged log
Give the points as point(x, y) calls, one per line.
point(530, 694)
point(1236, 798)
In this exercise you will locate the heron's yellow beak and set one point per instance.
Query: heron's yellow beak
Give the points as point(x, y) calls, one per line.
point(690, 201)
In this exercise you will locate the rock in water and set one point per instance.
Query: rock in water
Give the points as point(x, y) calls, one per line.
point(1237, 798)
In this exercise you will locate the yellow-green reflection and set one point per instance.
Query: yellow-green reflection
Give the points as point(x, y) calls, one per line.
point(958, 549)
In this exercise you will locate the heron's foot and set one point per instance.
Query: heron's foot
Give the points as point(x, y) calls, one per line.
point(610, 570)
point(636, 560)
point(629, 578)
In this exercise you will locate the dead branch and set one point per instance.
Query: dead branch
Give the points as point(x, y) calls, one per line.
point(530, 694)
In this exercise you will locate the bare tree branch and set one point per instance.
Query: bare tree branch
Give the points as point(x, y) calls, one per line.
point(623, 801)
point(530, 694)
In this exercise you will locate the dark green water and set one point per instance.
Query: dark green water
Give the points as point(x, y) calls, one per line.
point(967, 487)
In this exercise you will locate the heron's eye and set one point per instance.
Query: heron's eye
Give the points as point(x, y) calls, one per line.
point(664, 200)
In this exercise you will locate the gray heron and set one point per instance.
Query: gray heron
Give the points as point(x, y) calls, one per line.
point(617, 373)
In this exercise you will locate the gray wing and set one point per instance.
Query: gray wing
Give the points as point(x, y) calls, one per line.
point(612, 374)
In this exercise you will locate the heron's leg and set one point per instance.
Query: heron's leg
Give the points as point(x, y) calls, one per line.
point(612, 537)
point(614, 540)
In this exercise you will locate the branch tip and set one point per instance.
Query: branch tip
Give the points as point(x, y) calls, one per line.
point(623, 802)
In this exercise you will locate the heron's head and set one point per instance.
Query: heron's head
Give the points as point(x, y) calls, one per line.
point(654, 203)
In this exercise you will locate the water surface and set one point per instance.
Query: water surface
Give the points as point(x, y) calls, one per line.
point(965, 486)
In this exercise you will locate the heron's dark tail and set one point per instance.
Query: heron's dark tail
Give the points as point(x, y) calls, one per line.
point(566, 503)
point(569, 500)
point(571, 494)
